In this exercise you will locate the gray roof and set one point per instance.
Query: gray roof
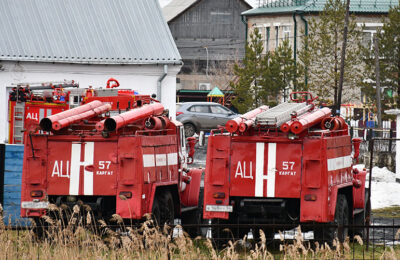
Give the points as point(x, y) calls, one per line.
point(315, 6)
point(176, 7)
point(86, 31)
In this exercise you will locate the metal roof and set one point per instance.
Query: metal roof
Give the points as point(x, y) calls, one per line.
point(290, 6)
point(86, 31)
point(176, 7)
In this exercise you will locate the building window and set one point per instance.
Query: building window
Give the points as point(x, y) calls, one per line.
point(286, 32)
point(368, 38)
point(267, 31)
point(276, 36)
point(369, 32)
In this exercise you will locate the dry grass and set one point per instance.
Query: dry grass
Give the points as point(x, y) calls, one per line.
point(81, 237)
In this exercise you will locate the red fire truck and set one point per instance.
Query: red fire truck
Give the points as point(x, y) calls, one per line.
point(118, 153)
point(31, 102)
point(289, 164)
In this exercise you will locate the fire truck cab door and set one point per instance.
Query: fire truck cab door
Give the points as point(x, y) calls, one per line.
point(82, 168)
point(265, 169)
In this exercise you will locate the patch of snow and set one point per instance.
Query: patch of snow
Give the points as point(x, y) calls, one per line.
point(385, 191)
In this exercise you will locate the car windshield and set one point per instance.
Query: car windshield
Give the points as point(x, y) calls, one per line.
point(220, 110)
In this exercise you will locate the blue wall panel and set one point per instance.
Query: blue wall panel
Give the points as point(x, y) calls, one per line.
point(14, 155)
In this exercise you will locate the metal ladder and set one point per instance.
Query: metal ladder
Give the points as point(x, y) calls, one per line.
point(19, 111)
point(280, 114)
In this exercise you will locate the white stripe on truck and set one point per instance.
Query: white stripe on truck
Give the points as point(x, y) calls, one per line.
point(162, 159)
point(148, 160)
point(339, 163)
point(88, 175)
point(75, 169)
point(259, 189)
point(271, 172)
point(76, 164)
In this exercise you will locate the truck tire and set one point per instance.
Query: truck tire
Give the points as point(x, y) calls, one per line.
point(190, 129)
point(341, 218)
point(166, 208)
point(155, 211)
point(40, 228)
point(194, 217)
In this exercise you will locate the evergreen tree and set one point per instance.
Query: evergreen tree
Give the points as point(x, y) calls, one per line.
point(389, 62)
point(247, 89)
point(389, 41)
point(262, 78)
point(285, 72)
point(320, 55)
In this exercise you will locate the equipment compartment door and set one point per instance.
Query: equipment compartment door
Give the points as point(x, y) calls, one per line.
point(265, 170)
point(82, 168)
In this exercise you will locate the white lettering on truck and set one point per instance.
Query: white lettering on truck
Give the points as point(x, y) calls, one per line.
point(242, 171)
point(59, 171)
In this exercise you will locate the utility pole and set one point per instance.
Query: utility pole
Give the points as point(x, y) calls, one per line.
point(205, 47)
point(343, 57)
point(378, 81)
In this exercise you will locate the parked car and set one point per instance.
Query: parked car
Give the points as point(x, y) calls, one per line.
point(202, 116)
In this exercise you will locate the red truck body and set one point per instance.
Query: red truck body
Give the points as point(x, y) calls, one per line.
point(266, 175)
point(131, 171)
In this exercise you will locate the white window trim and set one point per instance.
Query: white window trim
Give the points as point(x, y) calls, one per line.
point(370, 24)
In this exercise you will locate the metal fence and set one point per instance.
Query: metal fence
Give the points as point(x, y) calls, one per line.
point(358, 130)
point(383, 236)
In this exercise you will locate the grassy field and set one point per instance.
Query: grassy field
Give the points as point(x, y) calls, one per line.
point(82, 238)
point(388, 212)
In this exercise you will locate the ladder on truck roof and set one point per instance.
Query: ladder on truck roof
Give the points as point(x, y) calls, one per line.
point(47, 85)
point(18, 118)
point(280, 114)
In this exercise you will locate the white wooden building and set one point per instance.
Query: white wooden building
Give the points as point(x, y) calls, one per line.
point(88, 42)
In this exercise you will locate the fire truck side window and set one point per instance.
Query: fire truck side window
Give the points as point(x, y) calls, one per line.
point(182, 135)
point(200, 109)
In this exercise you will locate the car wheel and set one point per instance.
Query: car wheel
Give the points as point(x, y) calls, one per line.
point(190, 129)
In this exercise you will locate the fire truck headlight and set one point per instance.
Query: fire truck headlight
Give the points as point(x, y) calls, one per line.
point(36, 193)
point(125, 195)
point(310, 197)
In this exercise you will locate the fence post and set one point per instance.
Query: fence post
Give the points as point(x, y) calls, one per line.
point(368, 215)
point(390, 140)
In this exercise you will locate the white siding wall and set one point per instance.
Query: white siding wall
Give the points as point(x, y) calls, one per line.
point(142, 78)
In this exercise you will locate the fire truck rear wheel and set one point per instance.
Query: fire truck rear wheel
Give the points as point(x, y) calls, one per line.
point(360, 219)
point(155, 211)
point(163, 208)
point(40, 228)
point(341, 219)
point(190, 129)
point(166, 208)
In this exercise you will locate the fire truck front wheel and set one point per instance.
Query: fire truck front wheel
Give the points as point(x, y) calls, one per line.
point(341, 219)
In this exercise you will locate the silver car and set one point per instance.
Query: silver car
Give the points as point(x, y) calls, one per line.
point(199, 116)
